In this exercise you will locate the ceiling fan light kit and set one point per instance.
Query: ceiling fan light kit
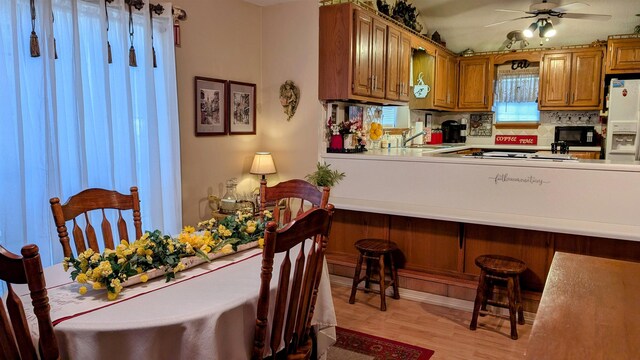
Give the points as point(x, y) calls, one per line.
point(543, 11)
point(544, 25)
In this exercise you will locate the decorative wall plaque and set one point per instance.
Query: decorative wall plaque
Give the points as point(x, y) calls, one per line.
point(480, 124)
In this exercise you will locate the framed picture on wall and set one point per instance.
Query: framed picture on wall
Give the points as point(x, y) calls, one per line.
point(211, 106)
point(242, 108)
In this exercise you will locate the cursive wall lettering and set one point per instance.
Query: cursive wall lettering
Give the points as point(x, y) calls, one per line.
point(505, 178)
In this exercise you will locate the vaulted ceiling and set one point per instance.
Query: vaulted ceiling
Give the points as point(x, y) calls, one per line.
point(462, 23)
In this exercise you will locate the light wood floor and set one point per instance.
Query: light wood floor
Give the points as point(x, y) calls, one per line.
point(444, 330)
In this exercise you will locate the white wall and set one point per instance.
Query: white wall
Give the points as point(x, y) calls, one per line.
point(220, 39)
point(235, 40)
point(290, 52)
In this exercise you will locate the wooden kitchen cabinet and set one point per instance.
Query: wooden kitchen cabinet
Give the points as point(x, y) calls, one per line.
point(445, 81)
point(398, 64)
point(571, 80)
point(623, 55)
point(475, 86)
point(362, 57)
point(369, 55)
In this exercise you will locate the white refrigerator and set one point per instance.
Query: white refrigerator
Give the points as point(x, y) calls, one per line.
point(623, 125)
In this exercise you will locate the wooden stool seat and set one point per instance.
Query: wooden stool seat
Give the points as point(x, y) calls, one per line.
point(498, 270)
point(378, 250)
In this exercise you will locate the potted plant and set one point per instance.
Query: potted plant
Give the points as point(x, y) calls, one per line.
point(323, 176)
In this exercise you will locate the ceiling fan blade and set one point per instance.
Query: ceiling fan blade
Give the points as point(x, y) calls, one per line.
point(569, 7)
point(506, 21)
point(597, 17)
point(511, 11)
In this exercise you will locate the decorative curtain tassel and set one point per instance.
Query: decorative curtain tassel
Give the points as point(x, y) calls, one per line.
point(132, 57)
point(55, 49)
point(155, 64)
point(34, 45)
point(109, 58)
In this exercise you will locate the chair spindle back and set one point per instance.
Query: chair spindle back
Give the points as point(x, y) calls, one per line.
point(296, 294)
point(15, 337)
point(87, 201)
point(291, 198)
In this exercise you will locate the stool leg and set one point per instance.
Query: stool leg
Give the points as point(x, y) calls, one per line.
point(519, 300)
point(488, 294)
point(511, 294)
point(482, 283)
point(383, 304)
point(394, 277)
point(356, 279)
point(368, 269)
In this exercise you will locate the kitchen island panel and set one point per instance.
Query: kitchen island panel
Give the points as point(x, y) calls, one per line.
point(426, 244)
point(351, 226)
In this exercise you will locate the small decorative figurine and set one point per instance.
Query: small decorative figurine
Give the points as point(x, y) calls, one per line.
point(289, 97)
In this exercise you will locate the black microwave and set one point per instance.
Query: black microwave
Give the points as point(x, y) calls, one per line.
point(576, 135)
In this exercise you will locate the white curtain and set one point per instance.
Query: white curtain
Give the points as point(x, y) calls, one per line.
point(516, 94)
point(78, 122)
point(520, 85)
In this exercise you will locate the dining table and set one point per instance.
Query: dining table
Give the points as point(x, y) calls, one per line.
point(206, 312)
point(588, 310)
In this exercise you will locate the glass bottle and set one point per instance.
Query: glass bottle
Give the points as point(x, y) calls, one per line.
point(229, 199)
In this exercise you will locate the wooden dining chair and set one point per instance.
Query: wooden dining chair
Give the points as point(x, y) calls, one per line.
point(295, 296)
point(98, 200)
point(15, 337)
point(292, 198)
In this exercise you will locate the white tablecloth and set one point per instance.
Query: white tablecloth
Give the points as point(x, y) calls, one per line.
point(208, 316)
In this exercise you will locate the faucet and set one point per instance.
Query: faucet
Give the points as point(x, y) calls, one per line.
point(405, 140)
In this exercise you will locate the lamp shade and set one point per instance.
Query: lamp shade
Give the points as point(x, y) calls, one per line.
point(263, 164)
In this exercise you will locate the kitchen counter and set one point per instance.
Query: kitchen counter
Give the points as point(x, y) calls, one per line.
point(586, 197)
point(447, 154)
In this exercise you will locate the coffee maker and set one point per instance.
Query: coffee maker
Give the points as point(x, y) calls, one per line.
point(453, 132)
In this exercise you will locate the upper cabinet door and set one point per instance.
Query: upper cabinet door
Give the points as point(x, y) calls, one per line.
point(441, 92)
point(555, 79)
point(624, 56)
point(452, 82)
point(393, 64)
point(571, 80)
point(405, 66)
point(475, 81)
point(586, 78)
point(378, 58)
point(363, 37)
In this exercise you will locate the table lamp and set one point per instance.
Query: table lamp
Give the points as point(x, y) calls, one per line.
point(262, 164)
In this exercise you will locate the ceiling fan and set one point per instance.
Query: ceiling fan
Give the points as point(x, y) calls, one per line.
point(550, 9)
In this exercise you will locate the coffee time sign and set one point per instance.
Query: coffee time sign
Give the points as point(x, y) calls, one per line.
point(516, 139)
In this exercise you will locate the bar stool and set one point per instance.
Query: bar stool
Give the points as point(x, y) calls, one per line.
point(498, 270)
point(375, 250)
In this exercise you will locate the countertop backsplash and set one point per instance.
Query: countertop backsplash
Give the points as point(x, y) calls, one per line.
point(545, 132)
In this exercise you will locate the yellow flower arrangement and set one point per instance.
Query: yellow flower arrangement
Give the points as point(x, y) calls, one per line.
point(153, 250)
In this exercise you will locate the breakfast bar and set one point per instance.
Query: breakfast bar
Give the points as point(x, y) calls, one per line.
point(444, 209)
point(571, 197)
